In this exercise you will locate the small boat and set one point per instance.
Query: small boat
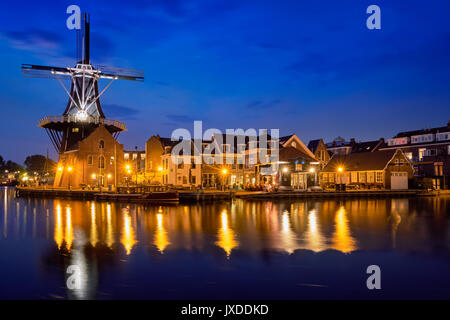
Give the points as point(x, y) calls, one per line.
point(162, 196)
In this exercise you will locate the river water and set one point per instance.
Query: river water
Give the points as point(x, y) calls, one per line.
point(290, 249)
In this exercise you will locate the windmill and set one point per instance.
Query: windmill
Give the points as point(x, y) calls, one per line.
point(83, 113)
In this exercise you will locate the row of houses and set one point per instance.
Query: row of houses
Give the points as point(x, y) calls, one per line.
point(418, 158)
point(291, 169)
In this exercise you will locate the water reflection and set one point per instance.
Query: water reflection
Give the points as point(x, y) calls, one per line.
point(342, 239)
point(97, 235)
point(227, 238)
point(314, 239)
point(128, 236)
point(161, 238)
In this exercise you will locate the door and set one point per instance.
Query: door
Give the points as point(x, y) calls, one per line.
point(399, 180)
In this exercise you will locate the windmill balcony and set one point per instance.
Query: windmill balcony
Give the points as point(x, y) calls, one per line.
point(44, 122)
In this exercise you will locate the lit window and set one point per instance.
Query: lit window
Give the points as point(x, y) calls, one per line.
point(75, 129)
point(362, 177)
point(111, 161)
point(101, 162)
point(126, 156)
point(421, 153)
point(379, 177)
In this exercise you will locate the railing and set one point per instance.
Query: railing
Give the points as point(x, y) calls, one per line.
point(74, 118)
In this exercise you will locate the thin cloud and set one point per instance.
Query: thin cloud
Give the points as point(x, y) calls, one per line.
point(119, 111)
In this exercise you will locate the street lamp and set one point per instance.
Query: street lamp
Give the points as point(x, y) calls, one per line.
point(224, 173)
point(70, 174)
point(313, 170)
point(341, 187)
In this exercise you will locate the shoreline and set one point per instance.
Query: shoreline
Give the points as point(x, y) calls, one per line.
point(174, 197)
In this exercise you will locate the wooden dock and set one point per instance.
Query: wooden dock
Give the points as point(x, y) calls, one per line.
point(173, 196)
point(209, 196)
point(333, 194)
point(162, 197)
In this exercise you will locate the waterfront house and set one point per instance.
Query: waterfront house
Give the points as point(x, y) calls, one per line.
point(340, 146)
point(429, 152)
point(97, 160)
point(155, 147)
point(243, 171)
point(319, 149)
point(387, 169)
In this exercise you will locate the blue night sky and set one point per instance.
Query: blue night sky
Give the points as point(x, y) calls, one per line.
point(305, 67)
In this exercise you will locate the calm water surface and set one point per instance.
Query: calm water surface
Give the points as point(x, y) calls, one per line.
point(245, 249)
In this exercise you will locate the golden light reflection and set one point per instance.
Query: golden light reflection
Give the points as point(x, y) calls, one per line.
point(69, 229)
point(128, 236)
point(287, 235)
point(161, 238)
point(5, 217)
point(342, 239)
point(58, 226)
point(109, 227)
point(227, 239)
point(314, 240)
point(94, 235)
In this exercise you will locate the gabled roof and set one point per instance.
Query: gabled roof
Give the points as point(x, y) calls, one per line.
point(364, 161)
point(367, 146)
point(285, 139)
point(313, 145)
point(290, 154)
point(167, 142)
point(423, 131)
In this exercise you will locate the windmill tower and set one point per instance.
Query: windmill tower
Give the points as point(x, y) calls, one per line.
point(72, 133)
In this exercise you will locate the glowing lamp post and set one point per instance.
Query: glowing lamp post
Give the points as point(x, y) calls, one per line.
point(339, 175)
point(128, 170)
point(224, 176)
point(70, 174)
point(313, 170)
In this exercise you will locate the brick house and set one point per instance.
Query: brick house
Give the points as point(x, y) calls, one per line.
point(387, 169)
point(155, 147)
point(95, 160)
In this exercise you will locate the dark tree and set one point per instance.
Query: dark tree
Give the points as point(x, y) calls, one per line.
point(11, 166)
point(2, 162)
point(39, 163)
